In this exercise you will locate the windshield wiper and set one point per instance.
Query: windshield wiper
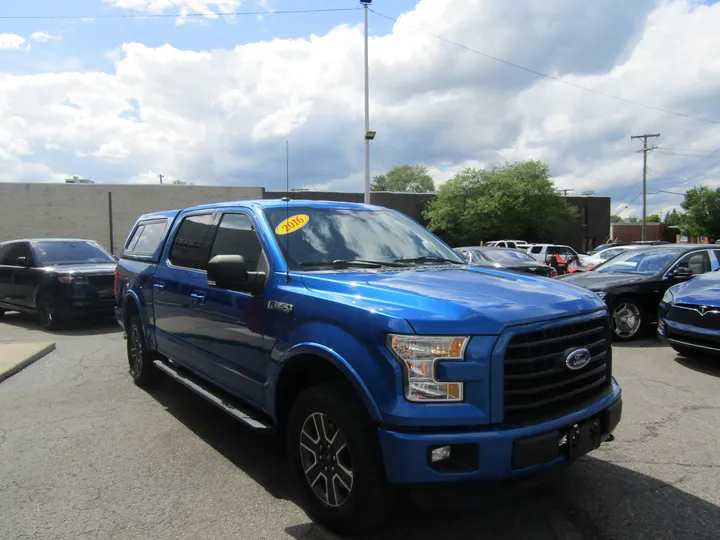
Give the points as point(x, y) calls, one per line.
point(427, 258)
point(359, 263)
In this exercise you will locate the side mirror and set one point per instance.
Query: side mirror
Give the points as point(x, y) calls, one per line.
point(22, 261)
point(681, 273)
point(230, 272)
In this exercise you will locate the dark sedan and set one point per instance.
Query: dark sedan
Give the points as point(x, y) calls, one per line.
point(56, 278)
point(506, 258)
point(689, 316)
point(633, 283)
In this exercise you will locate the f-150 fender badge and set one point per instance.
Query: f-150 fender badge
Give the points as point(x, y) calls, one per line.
point(282, 307)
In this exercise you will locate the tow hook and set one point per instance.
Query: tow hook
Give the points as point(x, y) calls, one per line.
point(610, 438)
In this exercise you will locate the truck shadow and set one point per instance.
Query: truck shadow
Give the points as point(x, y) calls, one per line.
point(81, 326)
point(593, 499)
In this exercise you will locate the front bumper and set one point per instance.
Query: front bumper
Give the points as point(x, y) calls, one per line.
point(685, 335)
point(492, 454)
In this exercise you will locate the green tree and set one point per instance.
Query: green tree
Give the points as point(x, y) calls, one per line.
point(615, 219)
point(653, 218)
point(702, 212)
point(516, 200)
point(181, 183)
point(411, 178)
point(674, 218)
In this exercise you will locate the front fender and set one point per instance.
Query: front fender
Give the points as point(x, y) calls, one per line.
point(331, 356)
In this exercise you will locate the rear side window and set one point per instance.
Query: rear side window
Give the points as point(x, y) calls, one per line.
point(536, 249)
point(11, 253)
point(191, 246)
point(236, 236)
point(146, 238)
point(511, 245)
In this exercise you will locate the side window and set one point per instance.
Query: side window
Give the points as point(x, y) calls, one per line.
point(536, 249)
point(716, 263)
point(236, 236)
point(511, 245)
point(3, 251)
point(146, 238)
point(698, 262)
point(552, 250)
point(190, 248)
point(14, 251)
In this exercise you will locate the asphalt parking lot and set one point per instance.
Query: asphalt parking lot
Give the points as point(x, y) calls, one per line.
point(86, 454)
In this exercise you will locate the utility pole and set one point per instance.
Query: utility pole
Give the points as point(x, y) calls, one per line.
point(161, 176)
point(644, 151)
point(365, 4)
point(565, 191)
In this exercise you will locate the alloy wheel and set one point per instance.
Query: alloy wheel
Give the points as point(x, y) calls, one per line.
point(626, 320)
point(136, 352)
point(326, 460)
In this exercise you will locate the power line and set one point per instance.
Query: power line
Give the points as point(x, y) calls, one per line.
point(212, 15)
point(547, 76)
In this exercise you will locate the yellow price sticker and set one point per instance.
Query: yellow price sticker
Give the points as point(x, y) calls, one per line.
point(292, 224)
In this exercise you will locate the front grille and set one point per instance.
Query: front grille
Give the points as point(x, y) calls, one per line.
point(102, 281)
point(691, 314)
point(538, 383)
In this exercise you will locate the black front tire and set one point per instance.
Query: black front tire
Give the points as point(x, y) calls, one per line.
point(49, 315)
point(140, 359)
point(335, 455)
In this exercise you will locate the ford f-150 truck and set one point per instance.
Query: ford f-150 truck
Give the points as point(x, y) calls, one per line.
point(384, 358)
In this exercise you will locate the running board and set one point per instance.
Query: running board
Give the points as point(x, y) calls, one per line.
point(232, 409)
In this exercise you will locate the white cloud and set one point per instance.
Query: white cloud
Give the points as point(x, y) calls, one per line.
point(43, 37)
point(223, 116)
point(10, 42)
point(209, 8)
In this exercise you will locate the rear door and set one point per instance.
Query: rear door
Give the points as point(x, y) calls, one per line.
point(180, 276)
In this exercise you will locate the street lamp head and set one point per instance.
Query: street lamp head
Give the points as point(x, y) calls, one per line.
point(370, 135)
point(366, 2)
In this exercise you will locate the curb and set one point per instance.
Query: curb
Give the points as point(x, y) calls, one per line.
point(29, 360)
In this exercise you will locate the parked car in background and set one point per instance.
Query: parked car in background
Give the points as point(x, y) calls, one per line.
point(502, 244)
point(541, 252)
point(56, 278)
point(604, 255)
point(633, 283)
point(689, 316)
point(383, 357)
point(509, 259)
point(605, 246)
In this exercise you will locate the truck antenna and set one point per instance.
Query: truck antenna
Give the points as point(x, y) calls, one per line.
point(287, 210)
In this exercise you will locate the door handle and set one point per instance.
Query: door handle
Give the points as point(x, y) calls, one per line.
point(198, 298)
point(159, 285)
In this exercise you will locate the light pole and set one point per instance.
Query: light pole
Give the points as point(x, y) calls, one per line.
point(369, 135)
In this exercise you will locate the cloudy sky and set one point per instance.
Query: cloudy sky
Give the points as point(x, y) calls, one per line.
point(129, 89)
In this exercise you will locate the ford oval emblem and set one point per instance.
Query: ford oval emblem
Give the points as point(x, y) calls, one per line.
point(577, 359)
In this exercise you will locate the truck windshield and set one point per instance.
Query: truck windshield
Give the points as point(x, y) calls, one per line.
point(311, 236)
point(49, 253)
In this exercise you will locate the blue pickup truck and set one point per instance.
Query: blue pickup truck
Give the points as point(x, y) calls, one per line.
point(382, 356)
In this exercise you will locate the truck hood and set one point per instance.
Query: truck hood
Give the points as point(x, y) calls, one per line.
point(465, 300)
point(93, 269)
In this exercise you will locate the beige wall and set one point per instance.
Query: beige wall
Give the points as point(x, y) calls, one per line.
point(82, 210)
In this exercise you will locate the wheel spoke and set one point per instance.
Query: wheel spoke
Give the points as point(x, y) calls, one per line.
point(344, 476)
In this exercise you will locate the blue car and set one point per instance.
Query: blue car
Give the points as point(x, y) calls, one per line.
point(689, 316)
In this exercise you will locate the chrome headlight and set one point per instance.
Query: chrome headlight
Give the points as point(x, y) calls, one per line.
point(668, 297)
point(417, 356)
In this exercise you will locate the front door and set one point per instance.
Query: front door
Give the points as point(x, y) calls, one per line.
point(231, 324)
point(18, 279)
